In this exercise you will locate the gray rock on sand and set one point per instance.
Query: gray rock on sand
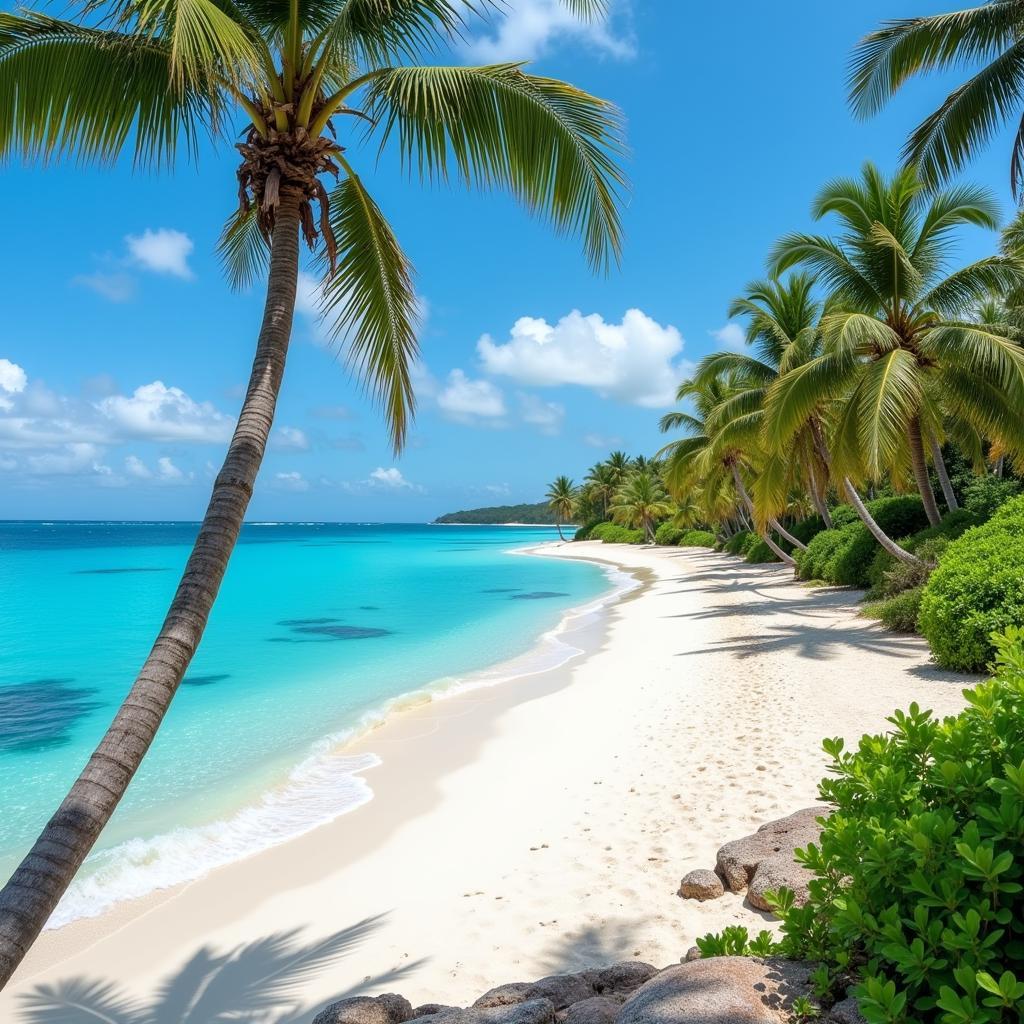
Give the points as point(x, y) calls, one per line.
point(532, 1011)
point(720, 990)
point(429, 1009)
point(771, 848)
point(846, 1012)
point(693, 953)
point(701, 885)
point(626, 976)
point(565, 990)
point(595, 1010)
point(385, 1009)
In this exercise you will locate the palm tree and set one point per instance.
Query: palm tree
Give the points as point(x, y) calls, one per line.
point(600, 483)
point(562, 500)
point(989, 36)
point(640, 502)
point(619, 465)
point(153, 78)
point(900, 353)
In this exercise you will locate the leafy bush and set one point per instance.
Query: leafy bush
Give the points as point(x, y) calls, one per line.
point(899, 612)
point(610, 533)
point(918, 897)
point(586, 530)
point(807, 529)
point(983, 495)
point(844, 555)
point(977, 589)
point(738, 542)
point(697, 539)
point(758, 551)
point(668, 534)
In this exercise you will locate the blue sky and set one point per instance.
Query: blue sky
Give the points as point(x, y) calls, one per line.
point(123, 353)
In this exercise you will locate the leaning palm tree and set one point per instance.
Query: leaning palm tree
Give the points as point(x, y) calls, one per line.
point(989, 36)
point(640, 502)
point(600, 483)
point(900, 350)
point(562, 501)
point(153, 78)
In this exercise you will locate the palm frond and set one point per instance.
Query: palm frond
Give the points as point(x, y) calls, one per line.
point(552, 145)
point(829, 262)
point(889, 398)
point(963, 290)
point(794, 397)
point(243, 251)
point(373, 303)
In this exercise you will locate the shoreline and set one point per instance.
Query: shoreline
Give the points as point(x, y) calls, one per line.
point(328, 762)
point(518, 829)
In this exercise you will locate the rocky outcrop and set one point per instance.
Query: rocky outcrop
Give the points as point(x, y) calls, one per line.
point(761, 862)
point(701, 885)
point(385, 1009)
point(846, 1012)
point(720, 990)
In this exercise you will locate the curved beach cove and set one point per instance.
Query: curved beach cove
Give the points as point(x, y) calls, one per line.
point(322, 631)
point(527, 829)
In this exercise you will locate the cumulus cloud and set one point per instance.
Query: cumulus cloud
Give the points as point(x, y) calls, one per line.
point(13, 381)
point(115, 287)
point(162, 413)
point(389, 478)
point(731, 336)
point(633, 361)
point(73, 458)
point(291, 439)
point(291, 481)
point(545, 416)
point(135, 467)
point(463, 398)
point(528, 28)
point(163, 251)
point(606, 442)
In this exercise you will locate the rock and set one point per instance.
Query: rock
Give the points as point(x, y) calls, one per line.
point(701, 885)
point(565, 989)
point(624, 977)
point(385, 1009)
point(429, 1009)
point(595, 1010)
point(504, 995)
point(777, 871)
point(693, 953)
point(533, 1011)
point(720, 990)
point(739, 861)
point(846, 1012)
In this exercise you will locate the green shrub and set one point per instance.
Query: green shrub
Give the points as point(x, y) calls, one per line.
point(918, 895)
point(983, 495)
point(899, 612)
point(668, 534)
point(807, 529)
point(736, 544)
point(586, 530)
point(612, 533)
point(977, 589)
point(758, 552)
point(697, 539)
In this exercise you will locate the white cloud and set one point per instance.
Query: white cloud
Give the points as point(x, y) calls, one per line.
point(73, 458)
point(632, 361)
point(731, 336)
point(168, 470)
point(292, 481)
point(135, 467)
point(545, 416)
point(13, 381)
point(114, 287)
point(464, 399)
point(291, 439)
point(527, 28)
point(162, 413)
point(605, 442)
point(308, 295)
point(389, 477)
point(164, 251)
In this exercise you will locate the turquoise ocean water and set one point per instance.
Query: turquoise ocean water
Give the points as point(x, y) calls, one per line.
point(318, 630)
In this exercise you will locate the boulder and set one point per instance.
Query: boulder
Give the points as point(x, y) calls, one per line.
point(720, 990)
point(846, 1012)
point(774, 843)
point(429, 1009)
point(565, 989)
point(693, 953)
point(701, 885)
point(533, 1011)
point(385, 1009)
point(595, 1010)
point(626, 976)
point(504, 995)
point(777, 871)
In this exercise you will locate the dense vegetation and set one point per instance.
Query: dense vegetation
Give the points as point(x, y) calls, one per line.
point(539, 514)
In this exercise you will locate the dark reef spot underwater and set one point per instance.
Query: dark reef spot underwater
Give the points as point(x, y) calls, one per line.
point(325, 630)
point(120, 571)
point(42, 712)
point(537, 595)
point(205, 680)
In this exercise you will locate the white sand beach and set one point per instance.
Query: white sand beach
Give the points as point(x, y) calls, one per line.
point(542, 824)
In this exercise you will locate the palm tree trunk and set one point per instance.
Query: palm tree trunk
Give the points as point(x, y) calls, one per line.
point(780, 529)
point(940, 468)
point(558, 526)
point(820, 504)
point(38, 883)
point(763, 534)
point(876, 531)
point(920, 466)
point(997, 469)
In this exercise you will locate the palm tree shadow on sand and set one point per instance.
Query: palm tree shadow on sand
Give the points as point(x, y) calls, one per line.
point(258, 982)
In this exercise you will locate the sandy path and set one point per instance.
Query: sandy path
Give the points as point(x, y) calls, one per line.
point(541, 825)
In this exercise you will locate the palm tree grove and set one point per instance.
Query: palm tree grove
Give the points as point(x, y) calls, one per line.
point(279, 740)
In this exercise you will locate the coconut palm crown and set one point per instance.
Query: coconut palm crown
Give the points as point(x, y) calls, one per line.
point(562, 498)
